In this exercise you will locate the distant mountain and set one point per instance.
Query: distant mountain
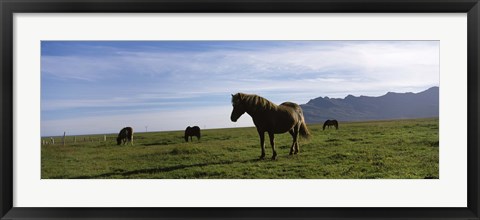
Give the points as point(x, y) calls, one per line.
point(389, 106)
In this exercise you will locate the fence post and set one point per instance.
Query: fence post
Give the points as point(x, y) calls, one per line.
point(64, 138)
point(104, 138)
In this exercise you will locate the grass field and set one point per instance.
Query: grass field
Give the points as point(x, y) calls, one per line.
point(398, 149)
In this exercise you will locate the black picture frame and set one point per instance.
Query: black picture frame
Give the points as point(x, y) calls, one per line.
point(9, 7)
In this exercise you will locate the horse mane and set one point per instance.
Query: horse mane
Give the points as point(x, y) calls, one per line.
point(253, 100)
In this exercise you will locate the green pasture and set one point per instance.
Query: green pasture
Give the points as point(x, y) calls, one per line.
point(397, 149)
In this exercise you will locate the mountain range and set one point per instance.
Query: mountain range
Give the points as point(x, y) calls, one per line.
point(363, 108)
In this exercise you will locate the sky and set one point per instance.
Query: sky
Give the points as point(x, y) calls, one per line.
point(98, 87)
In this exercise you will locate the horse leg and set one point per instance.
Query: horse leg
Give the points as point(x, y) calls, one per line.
point(272, 142)
point(297, 148)
point(262, 143)
point(295, 138)
point(293, 142)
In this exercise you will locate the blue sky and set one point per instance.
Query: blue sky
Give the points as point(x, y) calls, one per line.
point(92, 87)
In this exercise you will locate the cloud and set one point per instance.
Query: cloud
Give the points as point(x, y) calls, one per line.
point(206, 118)
point(375, 60)
point(125, 80)
point(78, 68)
point(111, 102)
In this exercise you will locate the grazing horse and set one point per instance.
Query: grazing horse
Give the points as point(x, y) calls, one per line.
point(192, 131)
point(329, 123)
point(271, 118)
point(125, 135)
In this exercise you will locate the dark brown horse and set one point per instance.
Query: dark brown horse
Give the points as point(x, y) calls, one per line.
point(192, 131)
point(329, 123)
point(125, 135)
point(271, 118)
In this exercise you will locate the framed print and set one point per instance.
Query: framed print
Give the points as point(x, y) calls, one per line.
point(216, 109)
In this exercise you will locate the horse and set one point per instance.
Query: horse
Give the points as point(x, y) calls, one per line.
point(192, 131)
point(329, 123)
point(125, 135)
point(271, 118)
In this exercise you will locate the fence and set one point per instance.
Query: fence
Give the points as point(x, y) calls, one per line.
point(64, 140)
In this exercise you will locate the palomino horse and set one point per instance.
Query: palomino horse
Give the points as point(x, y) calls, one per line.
point(329, 123)
point(192, 131)
point(125, 135)
point(271, 118)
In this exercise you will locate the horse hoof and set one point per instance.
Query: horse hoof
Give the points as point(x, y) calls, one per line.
point(274, 158)
point(262, 157)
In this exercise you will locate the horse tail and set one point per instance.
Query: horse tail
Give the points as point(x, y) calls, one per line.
point(304, 132)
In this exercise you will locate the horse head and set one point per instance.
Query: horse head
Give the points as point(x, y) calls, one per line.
point(238, 107)
point(187, 133)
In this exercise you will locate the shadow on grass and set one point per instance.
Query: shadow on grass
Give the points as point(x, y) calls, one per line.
point(158, 170)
